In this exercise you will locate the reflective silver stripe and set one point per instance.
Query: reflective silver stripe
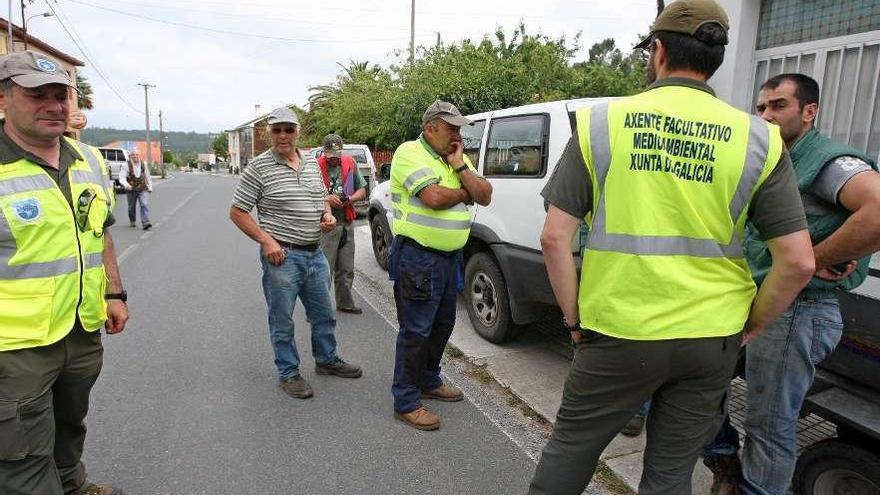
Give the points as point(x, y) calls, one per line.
point(418, 174)
point(600, 143)
point(38, 270)
point(83, 177)
point(93, 160)
point(438, 223)
point(397, 213)
point(23, 184)
point(599, 240)
point(756, 154)
point(94, 260)
point(414, 201)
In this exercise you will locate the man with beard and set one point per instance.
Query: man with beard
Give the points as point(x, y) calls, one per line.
point(840, 189)
point(666, 180)
point(432, 182)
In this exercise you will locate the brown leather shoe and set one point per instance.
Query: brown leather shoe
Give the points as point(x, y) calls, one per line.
point(726, 474)
point(446, 393)
point(420, 419)
point(339, 368)
point(93, 489)
point(296, 387)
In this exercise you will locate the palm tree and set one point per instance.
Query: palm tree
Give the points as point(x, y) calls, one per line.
point(84, 96)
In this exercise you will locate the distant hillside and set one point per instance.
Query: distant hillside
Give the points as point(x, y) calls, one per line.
point(178, 142)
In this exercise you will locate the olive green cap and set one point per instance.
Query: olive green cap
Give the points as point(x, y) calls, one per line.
point(686, 17)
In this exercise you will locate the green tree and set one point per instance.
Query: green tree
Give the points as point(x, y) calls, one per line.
point(220, 145)
point(84, 95)
point(167, 156)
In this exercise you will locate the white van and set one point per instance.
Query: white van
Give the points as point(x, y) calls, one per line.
point(363, 158)
point(116, 158)
point(515, 149)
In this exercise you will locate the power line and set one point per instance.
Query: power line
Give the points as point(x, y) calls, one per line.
point(89, 59)
point(234, 33)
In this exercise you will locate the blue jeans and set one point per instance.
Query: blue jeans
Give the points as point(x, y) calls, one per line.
point(426, 285)
point(780, 366)
point(141, 199)
point(303, 274)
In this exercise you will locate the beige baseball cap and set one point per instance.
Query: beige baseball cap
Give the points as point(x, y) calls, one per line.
point(282, 115)
point(686, 17)
point(447, 112)
point(31, 69)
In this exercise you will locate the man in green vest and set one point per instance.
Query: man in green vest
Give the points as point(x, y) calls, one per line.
point(840, 189)
point(666, 181)
point(59, 282)
point(432, 182)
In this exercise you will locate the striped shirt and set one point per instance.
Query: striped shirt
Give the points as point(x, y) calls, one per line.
point(289, 202)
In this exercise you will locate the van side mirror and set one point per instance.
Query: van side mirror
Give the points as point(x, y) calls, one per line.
point(384, 172)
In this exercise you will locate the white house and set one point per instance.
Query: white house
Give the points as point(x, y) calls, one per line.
point(836, 42)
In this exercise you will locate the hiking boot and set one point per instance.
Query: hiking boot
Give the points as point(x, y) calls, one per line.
point(726, 474)
point(339, 368)
point(354, 310)
point(148, 226)
point(296, 387)
point(446, 393)
point(634, 427)
point(93, 489)
point(420, 419)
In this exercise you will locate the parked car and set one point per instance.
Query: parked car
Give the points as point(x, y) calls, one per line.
point(515, 149)
point(115, 158)
point(364, 161)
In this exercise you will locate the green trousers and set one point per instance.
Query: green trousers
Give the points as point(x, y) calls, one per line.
point(609, 379)
point(44, 398)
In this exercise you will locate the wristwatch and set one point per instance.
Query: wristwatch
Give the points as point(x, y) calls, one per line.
point(122, 296)
point(461, 169)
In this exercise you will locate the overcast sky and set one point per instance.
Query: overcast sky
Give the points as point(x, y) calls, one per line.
point(213, 60)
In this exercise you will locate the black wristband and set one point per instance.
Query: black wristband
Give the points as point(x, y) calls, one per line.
point(122, 296)
point(461, 169)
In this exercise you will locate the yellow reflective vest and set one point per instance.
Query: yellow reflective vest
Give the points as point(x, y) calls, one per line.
point(673, 171)
point(414, 166)
point(51, 257)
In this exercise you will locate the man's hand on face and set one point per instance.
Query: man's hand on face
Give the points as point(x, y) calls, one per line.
point(456, 157)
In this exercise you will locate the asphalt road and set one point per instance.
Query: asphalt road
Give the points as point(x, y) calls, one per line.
point(188, 401)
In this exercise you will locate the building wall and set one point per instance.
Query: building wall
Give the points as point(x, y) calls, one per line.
point(141, 147)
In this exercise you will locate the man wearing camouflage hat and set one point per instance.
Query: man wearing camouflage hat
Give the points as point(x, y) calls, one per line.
point(56, 255)
point(666, 296)
point(432, 182)
point(345, 186)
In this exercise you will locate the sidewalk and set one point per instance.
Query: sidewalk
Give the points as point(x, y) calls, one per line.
point(534, 368)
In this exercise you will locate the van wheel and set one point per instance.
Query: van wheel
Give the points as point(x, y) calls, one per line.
point(381, 239)
point(488, 304)
point(833, 467)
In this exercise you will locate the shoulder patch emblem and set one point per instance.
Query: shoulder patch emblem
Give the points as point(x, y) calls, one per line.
point(27, 210)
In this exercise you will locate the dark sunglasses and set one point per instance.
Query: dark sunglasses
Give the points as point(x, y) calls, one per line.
point(286, 130)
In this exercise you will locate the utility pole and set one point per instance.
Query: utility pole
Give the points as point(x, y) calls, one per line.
point(147, 86)
point(412, 34)
point(161, 145)
point(438, 39)
point(9, 44)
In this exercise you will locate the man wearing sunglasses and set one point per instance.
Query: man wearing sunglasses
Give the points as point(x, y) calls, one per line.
point(287, 189)
point(59, 281)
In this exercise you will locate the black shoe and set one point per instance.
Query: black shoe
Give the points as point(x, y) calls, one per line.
point(148, 226)
point(634, 427)
point(354, 311)
point(338, 368)
point(296, 387)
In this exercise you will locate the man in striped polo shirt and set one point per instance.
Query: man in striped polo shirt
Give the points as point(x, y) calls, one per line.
point(286, 187)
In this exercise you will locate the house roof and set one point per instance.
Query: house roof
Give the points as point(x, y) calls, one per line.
point(19, 34)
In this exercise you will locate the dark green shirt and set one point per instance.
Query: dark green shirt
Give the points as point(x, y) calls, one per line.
point(776, 208)
point(336, 187)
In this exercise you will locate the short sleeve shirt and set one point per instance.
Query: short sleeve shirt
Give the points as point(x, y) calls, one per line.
point(776, 208)
point(333, 173)
point(289, 202)
point(824, 193)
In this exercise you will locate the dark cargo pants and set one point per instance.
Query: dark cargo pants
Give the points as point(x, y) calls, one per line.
point(44, 398)
point(609, 379)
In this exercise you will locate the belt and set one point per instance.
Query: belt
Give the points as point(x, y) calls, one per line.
point(301, 247)
point(412, 242)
